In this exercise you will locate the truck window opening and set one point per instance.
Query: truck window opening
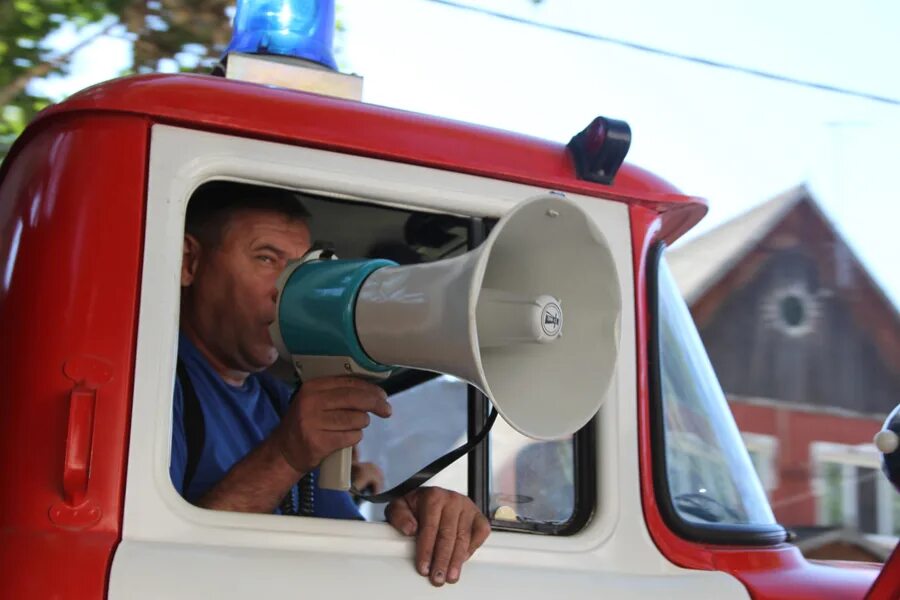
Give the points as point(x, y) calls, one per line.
point(527, 485)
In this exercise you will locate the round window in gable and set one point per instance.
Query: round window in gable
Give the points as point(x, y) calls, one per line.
point(792, 310)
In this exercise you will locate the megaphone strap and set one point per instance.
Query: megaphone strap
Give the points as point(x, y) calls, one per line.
point(430, 470)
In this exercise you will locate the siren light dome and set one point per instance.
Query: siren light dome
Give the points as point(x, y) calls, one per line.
point(301, 29)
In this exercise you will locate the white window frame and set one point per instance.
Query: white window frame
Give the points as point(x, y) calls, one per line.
point(180, 161)
point(849, 457)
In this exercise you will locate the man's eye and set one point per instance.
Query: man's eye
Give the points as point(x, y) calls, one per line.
point(266, 259)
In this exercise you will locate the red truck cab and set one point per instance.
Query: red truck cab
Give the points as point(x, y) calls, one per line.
point(92, 201)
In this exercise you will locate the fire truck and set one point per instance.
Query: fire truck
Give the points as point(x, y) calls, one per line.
point(655, 496)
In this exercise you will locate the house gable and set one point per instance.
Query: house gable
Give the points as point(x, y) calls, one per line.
point(786, 311)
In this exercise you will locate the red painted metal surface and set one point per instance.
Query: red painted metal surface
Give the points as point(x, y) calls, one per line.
point(71, 211)
point(779, 572)
point(228, 106)
point(887, 586)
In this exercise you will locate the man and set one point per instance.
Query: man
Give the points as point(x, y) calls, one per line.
point(238, 239)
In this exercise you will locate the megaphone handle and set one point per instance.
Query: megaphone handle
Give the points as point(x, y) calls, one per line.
point(334, 472)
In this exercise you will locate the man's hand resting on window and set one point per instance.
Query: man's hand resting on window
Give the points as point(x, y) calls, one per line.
point(448, 527)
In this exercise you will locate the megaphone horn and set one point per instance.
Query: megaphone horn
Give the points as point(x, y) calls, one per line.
point(529, 317)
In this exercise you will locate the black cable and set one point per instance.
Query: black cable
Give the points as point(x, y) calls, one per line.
point(431, 469)
point(823, 87)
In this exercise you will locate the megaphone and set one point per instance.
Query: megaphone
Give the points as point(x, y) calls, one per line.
point(530, 318)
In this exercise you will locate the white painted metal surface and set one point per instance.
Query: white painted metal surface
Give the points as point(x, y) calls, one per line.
point(171, 549)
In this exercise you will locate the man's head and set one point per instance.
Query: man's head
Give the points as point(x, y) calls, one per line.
point(238, 238)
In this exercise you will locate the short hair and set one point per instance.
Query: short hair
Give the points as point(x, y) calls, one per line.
point(213, 204)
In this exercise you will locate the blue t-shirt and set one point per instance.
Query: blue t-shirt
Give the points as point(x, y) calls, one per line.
point(236, 420)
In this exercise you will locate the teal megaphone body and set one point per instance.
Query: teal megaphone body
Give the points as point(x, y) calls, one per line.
point(316, 316)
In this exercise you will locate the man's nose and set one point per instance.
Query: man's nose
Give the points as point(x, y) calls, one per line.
point(273, 289)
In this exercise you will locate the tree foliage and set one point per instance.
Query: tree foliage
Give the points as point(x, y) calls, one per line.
point(24, 25)
point(188, 32)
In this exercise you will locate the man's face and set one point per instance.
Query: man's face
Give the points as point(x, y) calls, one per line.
point(231, 295)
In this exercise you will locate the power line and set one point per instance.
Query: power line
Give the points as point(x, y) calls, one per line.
point(824, 87)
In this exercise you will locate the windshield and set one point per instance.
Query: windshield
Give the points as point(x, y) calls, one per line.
point(710, 476)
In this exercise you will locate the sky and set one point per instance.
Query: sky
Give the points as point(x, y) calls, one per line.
point(734, 139)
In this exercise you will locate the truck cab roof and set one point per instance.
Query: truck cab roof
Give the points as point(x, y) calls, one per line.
point(300, 118)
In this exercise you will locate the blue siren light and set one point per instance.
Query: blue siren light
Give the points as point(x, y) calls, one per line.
point(297, 28)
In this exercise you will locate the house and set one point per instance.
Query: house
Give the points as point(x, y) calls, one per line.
point(807, 349)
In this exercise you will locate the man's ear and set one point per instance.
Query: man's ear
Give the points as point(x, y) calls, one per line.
point(190, 259)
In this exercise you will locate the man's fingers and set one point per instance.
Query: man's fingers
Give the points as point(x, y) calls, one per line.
point(481, 529)
point(429, 514)
point(461, 549)
point(321, 384)
point(401, 517)
point(339, 440)
point(367, 476)
point(377, 480)
point(328, 414)
point(344, 420)
point(444, 544)
point(451, 528)
point(348, 398)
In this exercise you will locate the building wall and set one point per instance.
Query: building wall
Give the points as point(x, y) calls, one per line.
point(796, 430)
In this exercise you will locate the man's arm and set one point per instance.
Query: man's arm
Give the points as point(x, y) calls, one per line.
point(326, 415)
point(256, 484)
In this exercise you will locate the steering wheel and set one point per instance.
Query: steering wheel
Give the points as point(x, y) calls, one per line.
point(705, 507)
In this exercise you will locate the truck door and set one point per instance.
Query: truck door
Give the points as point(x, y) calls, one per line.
point(566, 515)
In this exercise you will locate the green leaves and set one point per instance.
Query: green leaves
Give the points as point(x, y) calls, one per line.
point(190, 32)
point(24, 27)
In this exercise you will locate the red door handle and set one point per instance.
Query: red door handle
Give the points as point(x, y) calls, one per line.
point(76, 511)
point(77, 466)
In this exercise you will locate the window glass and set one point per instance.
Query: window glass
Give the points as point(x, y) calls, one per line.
point(895, 507)
point(762, 449)
point(533, 480)
point(833, 494)
point(530, 480)
point(866, 499)
point(711, 477)
point(761, 466)
point(428, 420)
